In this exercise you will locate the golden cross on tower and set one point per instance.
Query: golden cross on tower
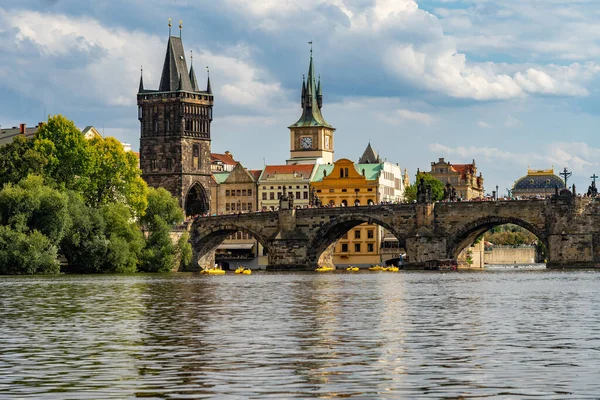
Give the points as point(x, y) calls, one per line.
point(170, 26)
point(180, 27)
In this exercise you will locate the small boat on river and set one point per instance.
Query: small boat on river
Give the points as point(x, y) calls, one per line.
point(351, 268)
point(325, 268)
point(243, 270)
point(376, 268)
point(213, 271)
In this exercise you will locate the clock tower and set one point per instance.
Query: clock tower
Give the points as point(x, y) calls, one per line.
point(311, 138)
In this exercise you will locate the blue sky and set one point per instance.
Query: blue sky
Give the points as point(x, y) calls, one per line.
point(509, 83)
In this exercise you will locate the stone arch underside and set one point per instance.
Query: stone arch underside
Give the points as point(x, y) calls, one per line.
point(206, 240)
point(333, 230)
point(196, 200)
point(466, 234)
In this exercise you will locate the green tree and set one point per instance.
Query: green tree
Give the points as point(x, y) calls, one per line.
point(101, 240)
point(161, 254)
point(115, 176)
point(32, 206)
point(26, 254)
point(437, 188)
point(19, 159)
point(67, 151)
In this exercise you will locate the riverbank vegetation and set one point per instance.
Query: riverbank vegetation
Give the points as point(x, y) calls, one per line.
point(77, 205)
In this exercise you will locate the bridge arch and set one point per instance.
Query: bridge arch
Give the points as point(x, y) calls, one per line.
point(330, 232)
point(466, 234)
point(206, 238)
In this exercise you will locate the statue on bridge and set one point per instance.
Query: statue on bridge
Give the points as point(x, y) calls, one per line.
point(423, 192)
point(449, 192)
point(592, 190)
point(314, 200)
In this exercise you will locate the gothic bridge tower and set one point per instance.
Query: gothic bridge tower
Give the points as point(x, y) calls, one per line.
point(311, 137)
point(175, 132)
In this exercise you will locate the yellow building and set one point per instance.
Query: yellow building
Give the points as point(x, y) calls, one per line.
point(345, 184)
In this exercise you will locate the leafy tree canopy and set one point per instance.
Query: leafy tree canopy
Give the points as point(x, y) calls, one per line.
point(437, 188)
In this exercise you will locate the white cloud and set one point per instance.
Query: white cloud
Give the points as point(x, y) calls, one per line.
point(512, 122)
point(81, 58)
point(484, 125)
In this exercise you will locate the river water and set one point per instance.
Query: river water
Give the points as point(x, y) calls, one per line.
point(505, 333)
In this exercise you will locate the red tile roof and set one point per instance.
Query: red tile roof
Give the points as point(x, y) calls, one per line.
point(463, 169)
point(303, 169)
point(224, 158)
point(255, 173)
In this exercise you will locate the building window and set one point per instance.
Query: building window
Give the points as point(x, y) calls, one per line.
point(369, 189)
point(370, 234)
point(249, 192)
point(370, 247)
point(169, 164)
point(357, 247)
point(305, 195)
point(155, 125)
point(272, 196)
point(243, 192)
point(264, 195)
point(226, 206)
point(227, 193)
point(341, 172)
point(195, 157)
point(297, 195)
point(344, 190)
point(167, 125)
point(243, 206)
point(357, 234)
point(344, 247)
point(278, 195)
point(249, 206)
point(238, 192)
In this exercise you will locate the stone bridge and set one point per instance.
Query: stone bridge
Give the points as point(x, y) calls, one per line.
point(296, 239)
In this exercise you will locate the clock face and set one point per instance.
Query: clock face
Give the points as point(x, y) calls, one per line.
point(306, 142)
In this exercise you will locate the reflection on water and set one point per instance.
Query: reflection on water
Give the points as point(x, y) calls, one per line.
point(376, 335)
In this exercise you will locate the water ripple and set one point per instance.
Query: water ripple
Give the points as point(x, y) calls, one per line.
point(507, 334)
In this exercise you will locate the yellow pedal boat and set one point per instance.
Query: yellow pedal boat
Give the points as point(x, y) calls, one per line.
point(392, 269)
point(213, 271)
point(376, 268)
point(243, 270)
point(325, 269)
point(352, 268)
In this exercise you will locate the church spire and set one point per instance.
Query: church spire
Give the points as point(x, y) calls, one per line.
point(175, 74)
point(141, 89)
point(192, 73)
point(208, 88)
point(311, 106)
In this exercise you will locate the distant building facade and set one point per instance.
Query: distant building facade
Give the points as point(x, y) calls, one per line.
point(175, 123)
point(537, 183)
point(462, 177)
point(293, 179)
point(222, 162)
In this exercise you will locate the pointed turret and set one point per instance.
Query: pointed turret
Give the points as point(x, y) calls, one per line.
point(141, 89)
point(175, 72)
point(193, 79)
point(319, 94)
point(369, 156)
point(303, 92)
point(208, 88)
point(311, 114)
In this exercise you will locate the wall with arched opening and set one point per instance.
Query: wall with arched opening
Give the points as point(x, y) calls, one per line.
point(358, 237)
point(461, 241)
point(208, 240)
point(197, 200)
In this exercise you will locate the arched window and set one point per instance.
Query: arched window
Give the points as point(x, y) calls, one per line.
point(341, 172)
point(167, 125)
point(346, 172)
point(344, 203)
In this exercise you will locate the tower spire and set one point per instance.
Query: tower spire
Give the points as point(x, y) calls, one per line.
point(141, 89)
point(312, 99)
point(208, 88)
point(192, 73)
point(170, 25)
point(303, 92)
point(180, 27)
